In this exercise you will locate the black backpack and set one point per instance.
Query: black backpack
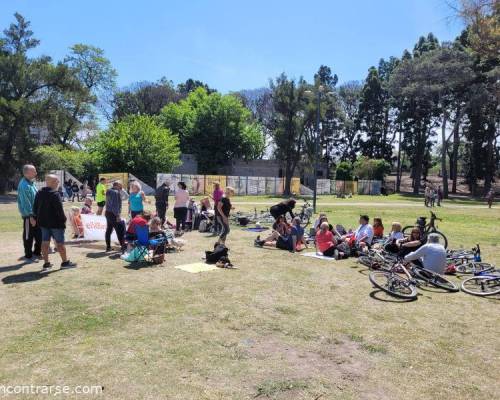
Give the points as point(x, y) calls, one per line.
point(219, 251)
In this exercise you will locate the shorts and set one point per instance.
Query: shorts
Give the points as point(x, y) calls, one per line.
point(101, 203)
point(56, 233)
point(130, 237)
point(283, 244)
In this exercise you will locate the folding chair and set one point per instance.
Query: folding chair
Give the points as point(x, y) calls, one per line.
point(143, 244)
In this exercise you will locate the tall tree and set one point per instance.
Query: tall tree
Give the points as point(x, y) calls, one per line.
point(144, 98)
point(289, 100)
point(25, 87)
point(348, 137)
point(215, 128)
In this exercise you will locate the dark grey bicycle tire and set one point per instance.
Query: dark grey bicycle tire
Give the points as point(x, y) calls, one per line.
point(480, 278)
point(412, 296)
point(435, 279)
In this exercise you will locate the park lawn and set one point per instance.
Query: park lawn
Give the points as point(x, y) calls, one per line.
point(281, 326)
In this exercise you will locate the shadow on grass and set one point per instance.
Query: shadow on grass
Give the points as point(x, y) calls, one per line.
point(376, 295)
point(139, 265)
point(15, 267)
point(27, 277)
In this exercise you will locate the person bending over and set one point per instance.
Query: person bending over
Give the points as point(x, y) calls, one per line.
point(283, 208)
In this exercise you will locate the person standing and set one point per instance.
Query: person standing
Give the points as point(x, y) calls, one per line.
point(136, 199)
point(216, 197)
point(161, 201)
point(112, 214)
point(75, 190)
point(224, 207)
point(490, 197)
point(180, 207)
point(440, 196)
point(26, 192)
point(49, 214)
point(100, 195)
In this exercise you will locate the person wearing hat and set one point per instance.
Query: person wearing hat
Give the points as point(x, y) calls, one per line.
point(431, 256)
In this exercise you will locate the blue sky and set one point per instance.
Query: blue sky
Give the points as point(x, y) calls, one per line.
point(234, 45)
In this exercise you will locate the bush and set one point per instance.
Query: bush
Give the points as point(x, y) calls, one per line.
point(366, 168)
point(344, 171)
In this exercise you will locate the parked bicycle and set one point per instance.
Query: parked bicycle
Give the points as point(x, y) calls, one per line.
point(306, 213)
point(400, 280)
point(428, 228)
point(484, 283)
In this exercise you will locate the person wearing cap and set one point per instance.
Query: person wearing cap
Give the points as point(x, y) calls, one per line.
point(432, 255)
point(26, 192)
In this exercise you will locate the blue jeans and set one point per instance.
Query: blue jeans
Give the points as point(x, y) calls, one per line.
point(56, 233)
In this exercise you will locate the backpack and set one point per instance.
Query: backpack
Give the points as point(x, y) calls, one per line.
point(219, 251)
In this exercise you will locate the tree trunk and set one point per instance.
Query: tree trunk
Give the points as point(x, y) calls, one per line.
point(454, 160)
point(398, 168)
point(444, 170)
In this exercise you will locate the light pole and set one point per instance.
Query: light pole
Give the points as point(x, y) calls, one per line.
point(316, 150)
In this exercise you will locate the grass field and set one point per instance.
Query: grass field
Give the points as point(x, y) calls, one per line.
point(282, 326)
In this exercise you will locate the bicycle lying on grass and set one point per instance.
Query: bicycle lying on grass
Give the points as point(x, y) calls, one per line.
point(467, 261)
point(484, 283)
point(427, 228)
point(400, 280)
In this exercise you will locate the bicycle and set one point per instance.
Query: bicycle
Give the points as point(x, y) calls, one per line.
point(427, 228)
point(402, 280)
point(468, 261)
point(306, 212)
point(484, 283)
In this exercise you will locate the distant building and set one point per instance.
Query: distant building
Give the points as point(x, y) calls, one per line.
point(189, 165)
point(254, 168)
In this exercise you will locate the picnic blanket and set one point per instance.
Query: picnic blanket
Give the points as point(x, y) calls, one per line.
point(196, 267)
point(255, 229)
point(318, 255)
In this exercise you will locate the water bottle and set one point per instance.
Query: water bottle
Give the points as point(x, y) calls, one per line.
point(477, 254)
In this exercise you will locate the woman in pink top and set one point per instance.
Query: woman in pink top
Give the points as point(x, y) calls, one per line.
point(180, 206)
point(325, 241)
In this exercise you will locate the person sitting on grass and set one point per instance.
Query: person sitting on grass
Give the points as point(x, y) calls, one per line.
point(395, 235)
point(378, 228)
point(412, 243)
point(291, 240)
point(325, 242)
point(87, 207)
point(321, 218)
point(156, 230)
point(431, 256)
point(280, 228)
point(140, 219)
point(362, 237)
point(283, 208)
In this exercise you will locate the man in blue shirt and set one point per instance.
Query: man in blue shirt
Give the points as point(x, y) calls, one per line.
point(26, 192)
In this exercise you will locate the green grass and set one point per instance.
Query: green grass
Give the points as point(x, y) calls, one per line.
point(281, 326)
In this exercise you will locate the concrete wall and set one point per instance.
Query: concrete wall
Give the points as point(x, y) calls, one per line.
point(266, 168)
point(189, 165)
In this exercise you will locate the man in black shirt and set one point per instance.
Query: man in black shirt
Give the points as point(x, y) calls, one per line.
point(224, 207)
point(161, 201)
point(49, 215)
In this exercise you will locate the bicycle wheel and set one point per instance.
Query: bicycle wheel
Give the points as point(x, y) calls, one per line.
point(407, 230)
point(435, 279)
point(482, 285)
point(366, 261)
point(394, 284)
point(304, 220)
point(473, 267)
point(442, 238)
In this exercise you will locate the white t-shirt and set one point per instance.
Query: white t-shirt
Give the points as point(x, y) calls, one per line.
point(432, 255)
point(366, 232)
point(181, 198)
point(395, 236)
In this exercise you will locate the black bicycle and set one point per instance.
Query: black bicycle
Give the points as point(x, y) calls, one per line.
point(427, 228)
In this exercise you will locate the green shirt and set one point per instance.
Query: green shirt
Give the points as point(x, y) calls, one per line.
point(100, 193)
